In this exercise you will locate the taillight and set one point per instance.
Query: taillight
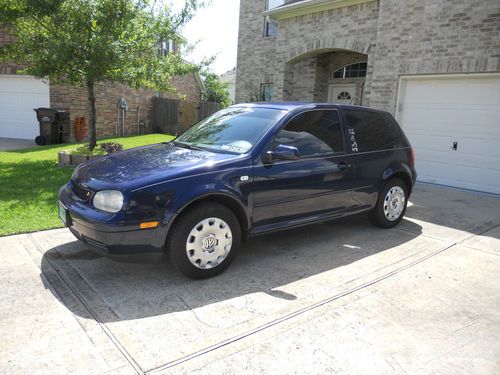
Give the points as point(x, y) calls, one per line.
point(412, 157)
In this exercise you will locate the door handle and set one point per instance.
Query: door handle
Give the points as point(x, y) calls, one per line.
point(342, 166)
point(455, 146)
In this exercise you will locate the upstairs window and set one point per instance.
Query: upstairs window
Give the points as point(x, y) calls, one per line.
point(351, 71)
point(270, 25)
point(271, 4)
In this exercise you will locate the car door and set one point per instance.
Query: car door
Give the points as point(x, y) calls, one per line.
point(318, 183)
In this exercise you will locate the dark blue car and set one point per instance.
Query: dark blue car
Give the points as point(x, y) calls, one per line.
point(247, 170)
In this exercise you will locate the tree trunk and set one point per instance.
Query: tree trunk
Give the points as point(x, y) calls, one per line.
point(92, 117)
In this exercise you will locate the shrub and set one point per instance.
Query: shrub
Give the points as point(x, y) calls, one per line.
point(110, 147)
point(84, 150)
point(101, 149)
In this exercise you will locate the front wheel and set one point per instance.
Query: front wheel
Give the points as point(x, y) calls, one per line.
point(391, 204)
point(204, 240)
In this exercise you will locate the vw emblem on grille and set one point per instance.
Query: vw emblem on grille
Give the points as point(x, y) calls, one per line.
point(208, 242)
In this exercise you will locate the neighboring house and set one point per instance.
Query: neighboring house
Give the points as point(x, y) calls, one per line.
point(434, 64)
point(229, 78)
point(20, 94)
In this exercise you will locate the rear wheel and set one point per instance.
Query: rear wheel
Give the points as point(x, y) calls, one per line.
point(391, 204)
point(204, 240)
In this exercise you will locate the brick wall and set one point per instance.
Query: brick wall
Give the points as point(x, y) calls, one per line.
point(433, 37)
point(256, 54)
point(74, 100)
point(352, 28)
point(398, 37)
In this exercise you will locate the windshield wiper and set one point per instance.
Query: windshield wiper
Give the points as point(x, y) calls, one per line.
point(187, 145)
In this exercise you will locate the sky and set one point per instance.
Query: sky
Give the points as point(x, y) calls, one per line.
point(215, 28)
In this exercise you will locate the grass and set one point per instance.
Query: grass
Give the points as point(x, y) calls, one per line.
point(30, 180)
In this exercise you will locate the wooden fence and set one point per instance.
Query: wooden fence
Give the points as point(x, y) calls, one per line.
point(171, 116)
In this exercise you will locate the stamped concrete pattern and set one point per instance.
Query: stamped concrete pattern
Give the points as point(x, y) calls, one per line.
point(340, 297)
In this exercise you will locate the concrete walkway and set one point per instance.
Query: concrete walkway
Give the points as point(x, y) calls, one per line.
point(341, 297)
point(9, 144)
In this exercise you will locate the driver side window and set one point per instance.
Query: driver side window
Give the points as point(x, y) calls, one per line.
point(314, 133)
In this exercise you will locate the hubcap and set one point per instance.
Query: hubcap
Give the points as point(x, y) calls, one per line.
point(394, 203)
point(209, 243)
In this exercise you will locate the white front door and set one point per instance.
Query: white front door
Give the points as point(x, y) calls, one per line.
point(19, 95)
point(453, 123)
point(342, 93)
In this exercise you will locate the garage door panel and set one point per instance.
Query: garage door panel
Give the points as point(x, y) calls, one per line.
point(481, 93)
point(490, 180)
point(482, 119)
point(19, 95)
point(478, 150)
point(438, 111)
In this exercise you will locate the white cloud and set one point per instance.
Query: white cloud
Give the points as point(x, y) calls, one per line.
point(215, 28)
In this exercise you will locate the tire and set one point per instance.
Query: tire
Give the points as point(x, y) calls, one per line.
point(204, 240)
point(387, 213)
point(40, 140)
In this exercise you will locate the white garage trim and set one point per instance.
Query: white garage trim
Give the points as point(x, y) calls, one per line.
point(453, 122)
point(19, 95)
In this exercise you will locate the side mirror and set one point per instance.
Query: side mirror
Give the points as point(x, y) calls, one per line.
point(281, 152)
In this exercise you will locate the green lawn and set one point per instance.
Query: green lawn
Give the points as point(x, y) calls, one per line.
point(30, 180)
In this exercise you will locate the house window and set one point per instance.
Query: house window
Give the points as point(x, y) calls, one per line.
point(271, 4)
point(166, 47)
point(351, 71)
point(344, 95)
point(270, 25)
point(266, 92)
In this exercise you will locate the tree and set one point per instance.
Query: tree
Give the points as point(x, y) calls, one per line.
point(84, 42)
point(215, 90)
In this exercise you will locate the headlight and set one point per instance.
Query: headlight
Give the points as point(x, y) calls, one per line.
point(108, 200)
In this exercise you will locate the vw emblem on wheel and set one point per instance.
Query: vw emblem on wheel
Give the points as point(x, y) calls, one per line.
point(209, 242)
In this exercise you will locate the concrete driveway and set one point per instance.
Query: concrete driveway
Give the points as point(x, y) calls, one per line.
point(9, 144)
point(342, 297)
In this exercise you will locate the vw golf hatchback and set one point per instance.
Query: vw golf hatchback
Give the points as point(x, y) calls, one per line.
point(247, 170)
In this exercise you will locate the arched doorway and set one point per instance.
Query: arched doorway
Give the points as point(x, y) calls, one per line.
point(335, 76)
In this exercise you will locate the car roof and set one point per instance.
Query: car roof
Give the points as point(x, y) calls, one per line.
point(289, 106)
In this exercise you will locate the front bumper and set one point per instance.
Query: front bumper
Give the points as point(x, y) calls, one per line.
point(110, 239)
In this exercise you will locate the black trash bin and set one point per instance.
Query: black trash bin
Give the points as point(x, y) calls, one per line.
point(50, 126)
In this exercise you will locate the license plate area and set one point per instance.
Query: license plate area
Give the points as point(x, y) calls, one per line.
point(64, 215)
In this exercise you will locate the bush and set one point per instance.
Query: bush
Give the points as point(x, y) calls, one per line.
point(110, 147)
point(101, 149)
point(84, 150)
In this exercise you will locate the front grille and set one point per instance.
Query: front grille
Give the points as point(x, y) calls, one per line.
point(81, 192)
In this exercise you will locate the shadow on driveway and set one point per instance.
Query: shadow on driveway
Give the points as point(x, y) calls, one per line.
point(120, 291)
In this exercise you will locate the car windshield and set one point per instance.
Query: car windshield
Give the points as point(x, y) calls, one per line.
point(235, 129)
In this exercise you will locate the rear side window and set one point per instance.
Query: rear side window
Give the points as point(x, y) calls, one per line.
point(314, 133)
point(372, 131)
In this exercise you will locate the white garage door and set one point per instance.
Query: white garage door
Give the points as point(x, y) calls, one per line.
point(18, 96)
point(453, 124)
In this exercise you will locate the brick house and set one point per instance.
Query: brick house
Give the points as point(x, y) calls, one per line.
point(434, 64)
point(19, 94)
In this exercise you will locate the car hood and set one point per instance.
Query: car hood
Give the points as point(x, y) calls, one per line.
point(139, 167)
